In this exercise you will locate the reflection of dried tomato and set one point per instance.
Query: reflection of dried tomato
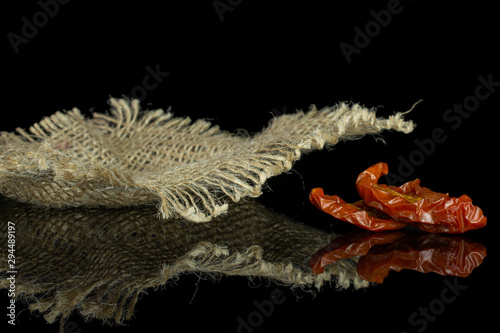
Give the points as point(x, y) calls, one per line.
point(397, 250)
point(356, 243)
point(432, 211)
point(425, 253)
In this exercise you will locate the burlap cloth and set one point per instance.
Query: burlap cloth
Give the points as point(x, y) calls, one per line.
point(189, 169)
point(99, 261)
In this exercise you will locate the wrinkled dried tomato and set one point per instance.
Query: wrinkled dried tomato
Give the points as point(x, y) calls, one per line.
point(356, 213)
point(411, 203)
point(397, 250)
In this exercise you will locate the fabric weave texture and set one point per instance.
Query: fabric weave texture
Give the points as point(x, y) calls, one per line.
point(192, 170)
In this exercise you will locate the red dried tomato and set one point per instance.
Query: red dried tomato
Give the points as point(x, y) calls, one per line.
point(411, 203)
point(397, 250)
point(357, 213)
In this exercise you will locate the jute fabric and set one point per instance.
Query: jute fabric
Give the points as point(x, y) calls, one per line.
point(192, 170)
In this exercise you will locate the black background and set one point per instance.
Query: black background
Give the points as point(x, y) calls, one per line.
point(263, 58)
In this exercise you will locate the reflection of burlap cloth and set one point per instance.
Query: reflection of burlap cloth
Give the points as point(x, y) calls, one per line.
point(191, 170)
point(99, 261)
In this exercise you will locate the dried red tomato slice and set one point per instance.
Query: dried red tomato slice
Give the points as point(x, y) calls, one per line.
point(398, 250)
point(357, 213)
point(411, 203)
